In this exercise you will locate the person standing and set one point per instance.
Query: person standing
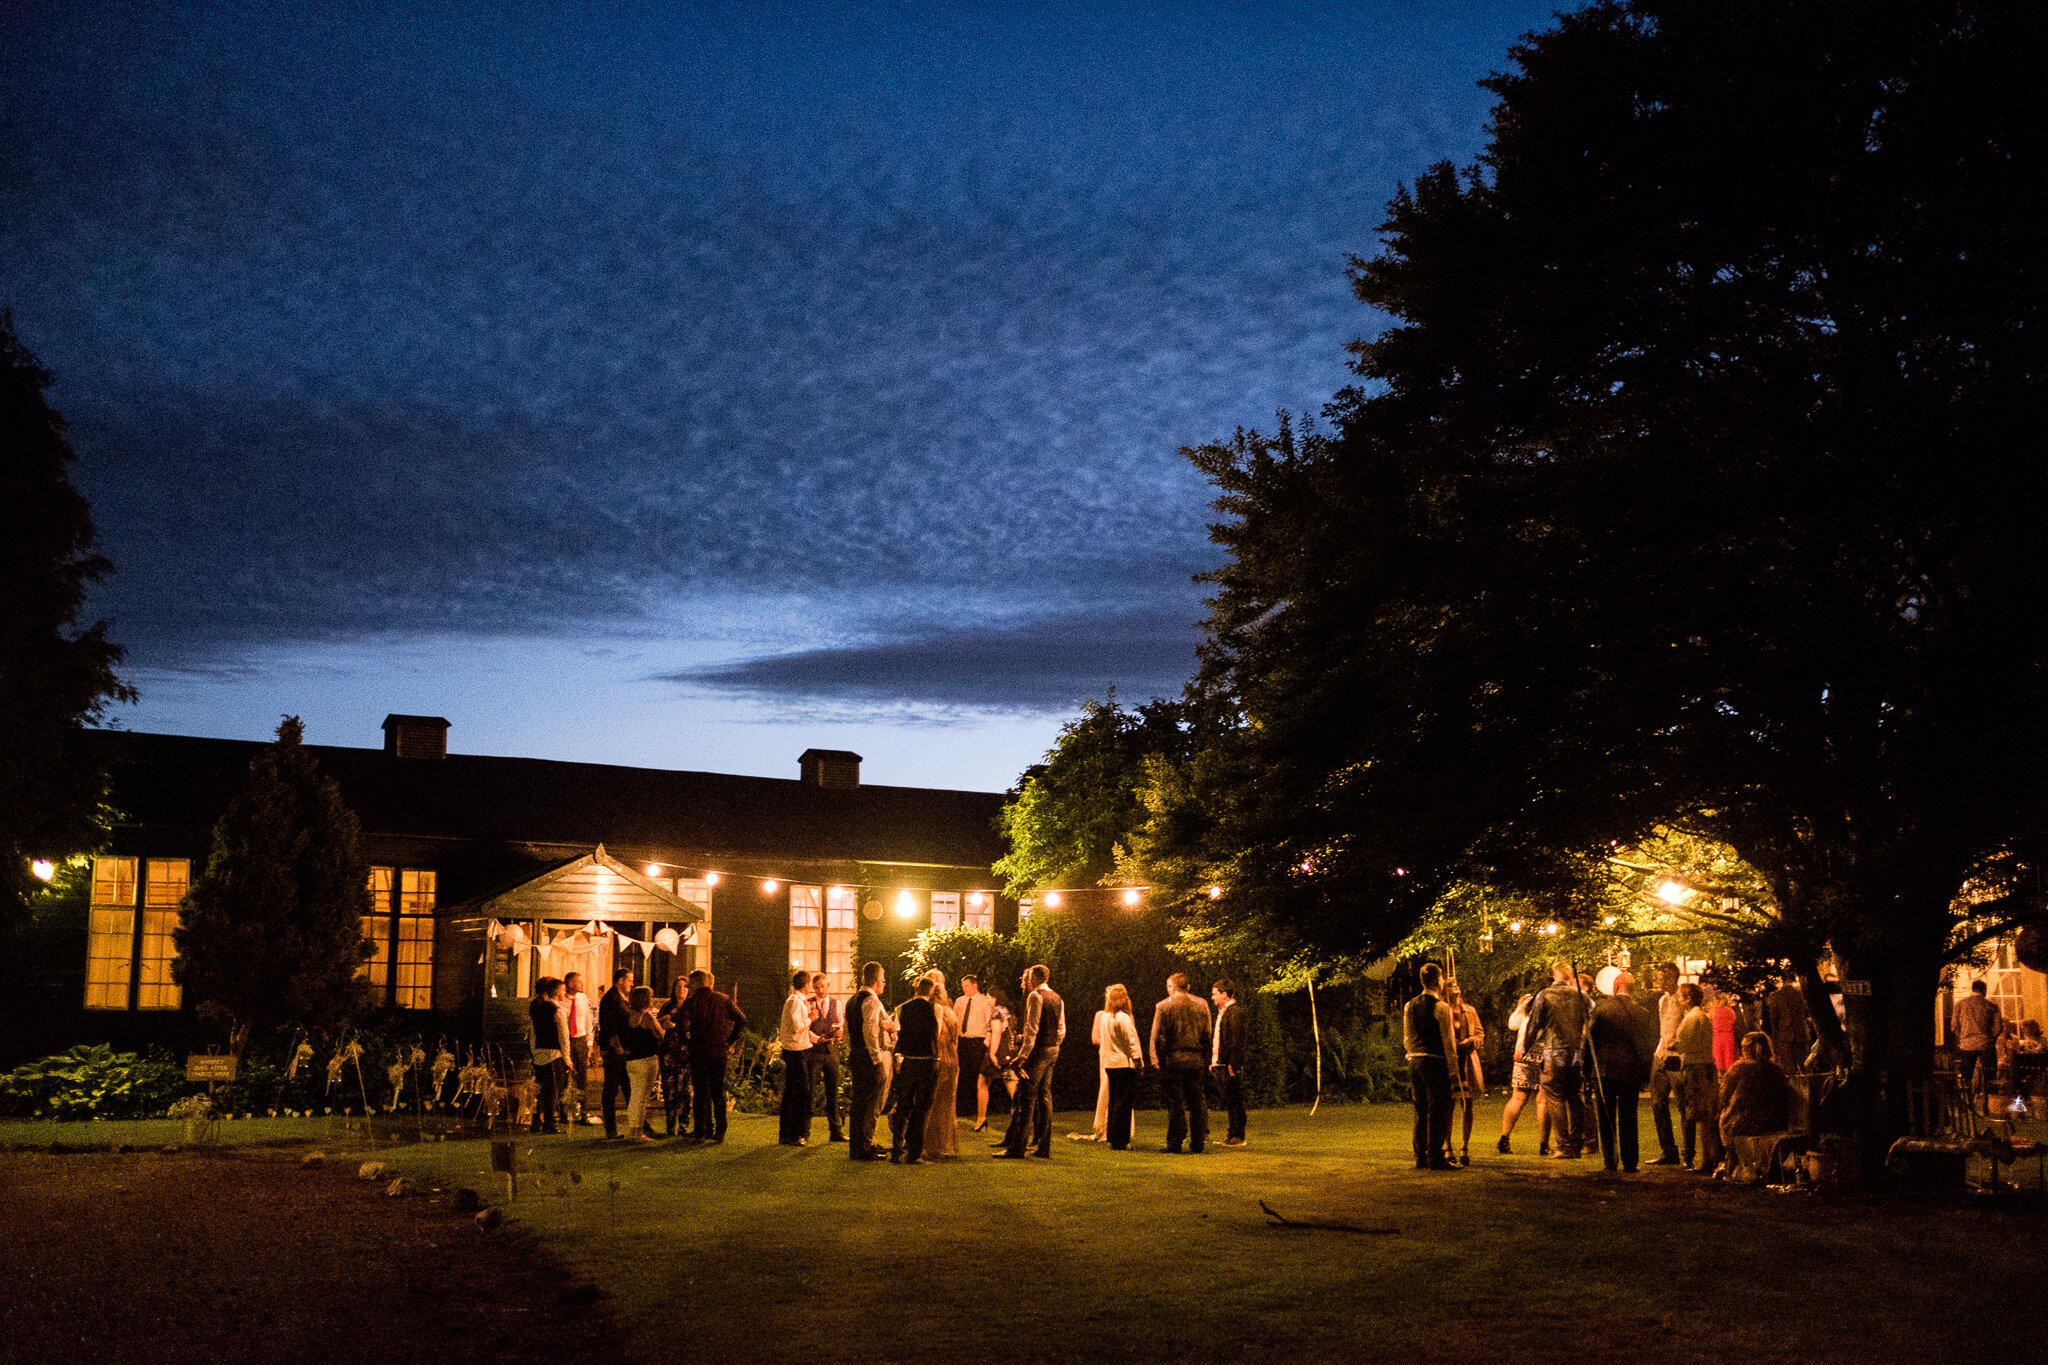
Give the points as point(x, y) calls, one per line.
point(1180, 1054)
point(1001, 1066)
point(828, 1026)
point(1790, 1025)
point(1226, 1059)
point(942, 1119)
point(1666, 1068)
point(917, 1041)
point(1039, 1035)
point(1624, 1039)
point(972, 1010)
point(714, 1021)
point(675, 1060)
point(1122, 1057)
point(581, 1025)
point(1429, 1038)
point(1720, 1009)
point(611, 1049)
point(864, 1047)
point(1699, 1080)
point(640, 1039)
point(793, 1032)
point(1468, 1078)
point(1525, 1080)
point(1977, 1025)
point(550, 1015)
point(1557, 1029)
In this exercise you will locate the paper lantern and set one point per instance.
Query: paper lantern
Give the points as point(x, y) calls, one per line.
point(668, 940)
point(512, 935)
point(1604, 982)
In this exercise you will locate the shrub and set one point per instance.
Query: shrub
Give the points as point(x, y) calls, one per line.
point(92, 1082)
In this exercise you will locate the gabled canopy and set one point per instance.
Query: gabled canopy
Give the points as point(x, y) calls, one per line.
point(595, 886)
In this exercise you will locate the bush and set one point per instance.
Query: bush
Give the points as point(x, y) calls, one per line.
point(92, 1082)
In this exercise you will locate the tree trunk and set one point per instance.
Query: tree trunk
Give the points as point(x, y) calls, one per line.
point(1891, 1042)
point(238, 1038)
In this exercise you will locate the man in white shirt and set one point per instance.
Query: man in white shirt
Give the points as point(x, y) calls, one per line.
point(581, 1025)
point(973, 1010)
point(793, 1031)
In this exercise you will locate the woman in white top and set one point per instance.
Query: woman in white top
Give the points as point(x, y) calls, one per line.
point(1122, 1057)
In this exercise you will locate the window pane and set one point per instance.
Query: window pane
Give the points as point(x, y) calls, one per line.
point(806, 922)
point(155, 990)
point(805, 905)
point(945, 910)
point(415, 965)
point(842, 905)
point(377, 970)
point(415, 891)
point(169, 879)
point(113, 881)
point(981, 910)
point(380, 886)
point(109, 954)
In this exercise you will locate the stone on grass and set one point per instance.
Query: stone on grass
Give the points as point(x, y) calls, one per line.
point(490, 1218)
point(370, 1170)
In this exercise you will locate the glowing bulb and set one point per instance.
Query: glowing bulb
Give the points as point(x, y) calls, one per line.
point(710, 879)
point(906, 904)
point(1131, 897)
point(1550, 928)
point(770, 887)
point(1400, 872)
point(43, 868)
point(1674, 893)
point(1607, 921)
point(1514, 926)
point(976, 900)
point(1215, 893)
point(654, 869)
point(1052, 900)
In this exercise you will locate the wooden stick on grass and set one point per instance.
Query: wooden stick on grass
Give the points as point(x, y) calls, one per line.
point(1280, 1220)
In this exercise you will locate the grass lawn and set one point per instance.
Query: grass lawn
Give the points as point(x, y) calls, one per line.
point(751, 1250)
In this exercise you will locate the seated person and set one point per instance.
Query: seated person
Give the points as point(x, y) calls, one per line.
point(1755, 1096)
point(2030, 1037)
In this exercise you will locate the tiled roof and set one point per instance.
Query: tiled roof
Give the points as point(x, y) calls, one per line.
point(175, 780)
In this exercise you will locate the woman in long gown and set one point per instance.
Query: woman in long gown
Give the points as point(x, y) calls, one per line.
point(942, 1125)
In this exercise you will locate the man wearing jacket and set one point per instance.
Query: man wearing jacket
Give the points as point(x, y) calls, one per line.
point(1181, 1050)
point(1226, 1058)
point(714, 1021)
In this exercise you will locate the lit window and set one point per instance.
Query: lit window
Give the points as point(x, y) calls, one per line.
point(110, 935)
point(945, 910)
point(377, 933)
point(415, 939)
point(842, 927)
point(806, 923)
point(981, 910)
point(169, 878)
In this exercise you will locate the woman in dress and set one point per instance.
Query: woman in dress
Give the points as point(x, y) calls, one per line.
point(642, 1040)
point(1001, 1065)
point(1468, 1082)
point(550, 1014)
point(1122, 1057)
point(675, 1057)
point(942, 1124)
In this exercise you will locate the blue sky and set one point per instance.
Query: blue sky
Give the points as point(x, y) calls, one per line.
point(691, 385)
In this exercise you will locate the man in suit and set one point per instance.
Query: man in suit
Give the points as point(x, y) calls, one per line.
point(793, 1031)
point(864, 1050)
point(1226, 1058)
point(917, 1072)
point(1624, 1041)
point(1039, 1037)
point(1180, 1053)
point(611, 1048)
point(714, 1022)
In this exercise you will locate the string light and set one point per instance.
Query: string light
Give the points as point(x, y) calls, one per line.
point(1215, 893)
point(906, 904)
point(43, 868)
point(1131, 897)
point(1052, 900)
point(976, 900)
point(654, 869)
point(711, 879)
point(1514, 926)
point(770, 887)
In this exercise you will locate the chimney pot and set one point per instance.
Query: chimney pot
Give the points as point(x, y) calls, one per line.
point(416, 737)
point(837, 769)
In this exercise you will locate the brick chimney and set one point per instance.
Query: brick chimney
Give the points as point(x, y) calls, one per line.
point(834, 768)
point(416, 736)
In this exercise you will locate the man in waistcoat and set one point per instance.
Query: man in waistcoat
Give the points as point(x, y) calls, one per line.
point(917, 1072)
point(864, 1058)
point(1039, 1037)
point(1428, 1034)
point(1180, 1055)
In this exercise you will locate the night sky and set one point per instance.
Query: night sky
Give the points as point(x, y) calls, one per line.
point(691, 385)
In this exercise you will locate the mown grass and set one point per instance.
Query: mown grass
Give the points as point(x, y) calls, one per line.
point(751, 1251)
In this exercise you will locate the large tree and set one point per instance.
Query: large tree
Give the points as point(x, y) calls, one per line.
point(54, 676)
point(272, 931)
point(1691, 484)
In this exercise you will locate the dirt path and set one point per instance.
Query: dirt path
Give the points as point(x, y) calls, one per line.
point(244, 1256)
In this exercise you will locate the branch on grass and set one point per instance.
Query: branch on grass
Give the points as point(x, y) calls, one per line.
point(1282, 1221)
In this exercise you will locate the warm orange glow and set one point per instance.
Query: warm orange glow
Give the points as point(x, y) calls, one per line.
point(654, 869)
point(770, 887)
point(43, 868)
point(906, 904)
point(1674, 893)
point(710, 879)
point(977, 900)
point(1514, 926)
point(1052, 900)
point(1215, 893)
point(1131, 897)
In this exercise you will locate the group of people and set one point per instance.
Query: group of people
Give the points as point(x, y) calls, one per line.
point(1987, 1044)
point(1588, 1058)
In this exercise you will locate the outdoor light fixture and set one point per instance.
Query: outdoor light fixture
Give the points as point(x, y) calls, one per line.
point(1215, 893)
point(654, 869)
point(906, 904)
point(43, 868)
point(976, 901)
point(1052, 900)
point(1674, 893)
point(1131, 896)
point(710, 879)
point(770, 887)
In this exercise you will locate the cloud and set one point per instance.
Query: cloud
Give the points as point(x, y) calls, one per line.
point(1047, 665)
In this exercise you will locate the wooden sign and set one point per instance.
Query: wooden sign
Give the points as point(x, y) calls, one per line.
point(209, 1066)
point(1855, 988)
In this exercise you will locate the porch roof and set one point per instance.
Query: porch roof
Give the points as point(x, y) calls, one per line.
point(595, 886)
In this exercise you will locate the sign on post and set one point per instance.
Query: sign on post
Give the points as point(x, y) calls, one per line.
point(1855, 988)
point(210, 1066)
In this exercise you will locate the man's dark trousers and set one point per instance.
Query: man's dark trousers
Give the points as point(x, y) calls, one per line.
point(1429, 1083)
point(1031, 1111)
point(1564, 1091)
point(616, 1083)
point(796, 1097)
point(1187, 1107)
point(912, 1092)
point(1618, 1122)
point(866, 1105)
point(1231, 1087)
point(824, 1080)
point(707, 1084)
point(1660, 1110)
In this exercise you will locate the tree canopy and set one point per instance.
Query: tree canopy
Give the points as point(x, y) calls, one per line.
point(272, 931)
point(1690, 484)
point(54, 676)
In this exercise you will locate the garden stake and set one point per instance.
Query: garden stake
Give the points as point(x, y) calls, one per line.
point(1316, 1027)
